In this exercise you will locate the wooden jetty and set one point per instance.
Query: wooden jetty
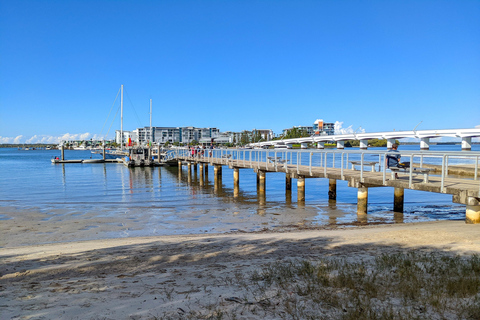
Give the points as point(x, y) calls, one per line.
point(336, 165)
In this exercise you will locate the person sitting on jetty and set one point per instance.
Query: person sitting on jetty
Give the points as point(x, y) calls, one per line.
point(393, 159)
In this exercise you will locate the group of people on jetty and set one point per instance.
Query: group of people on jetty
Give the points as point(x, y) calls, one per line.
point(199, 151)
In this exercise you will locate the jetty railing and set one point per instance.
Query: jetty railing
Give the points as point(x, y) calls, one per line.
point(334, 158)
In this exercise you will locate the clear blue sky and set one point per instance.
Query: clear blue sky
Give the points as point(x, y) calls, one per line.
point(237, 65)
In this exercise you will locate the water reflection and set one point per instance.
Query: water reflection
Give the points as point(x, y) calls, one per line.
point(240, 199)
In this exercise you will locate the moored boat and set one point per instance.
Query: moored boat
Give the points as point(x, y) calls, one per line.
point(138, 157)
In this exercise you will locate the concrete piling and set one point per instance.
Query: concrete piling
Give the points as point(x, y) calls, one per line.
point(473, 210)
point(236, 182)
point(363, 144)
point(301, 188)
point(362, 200)
point(398, 199)
point(288, 182)
point(189, 172)
point(261, 180)
point(467, 143)
point(332, 189)
point(217, 170)
point(236, 176)
point(424, 143)
point(201, 174)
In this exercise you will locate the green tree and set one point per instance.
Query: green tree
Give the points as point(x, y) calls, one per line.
point(245, 138)
point(296, 133)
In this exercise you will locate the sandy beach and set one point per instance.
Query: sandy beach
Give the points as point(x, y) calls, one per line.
point(170, 276)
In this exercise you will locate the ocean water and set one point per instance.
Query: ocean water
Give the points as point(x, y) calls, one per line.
point(161, 202)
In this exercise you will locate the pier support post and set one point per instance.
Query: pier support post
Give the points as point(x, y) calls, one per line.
point(194, 167)
point(189, 172)
point(398, 199)
point(288, 197)
point(301, 188)
point(236, 176)
point(288, 182)
point(180, 164)
point(467, 143)
point(236, 181)
point(217, 169)
point(206, 169)
point(201, 174)
point(362, 200)
point(398, 217)
point(473, 211)
point(340, 144)
point(103, 149)
point(424, 143)
point(332, 189)
point(63, 152)
point(261, 180)
point(363, 144)
point(321, 145)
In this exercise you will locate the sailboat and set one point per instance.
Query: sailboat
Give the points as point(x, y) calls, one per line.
point(117, 154)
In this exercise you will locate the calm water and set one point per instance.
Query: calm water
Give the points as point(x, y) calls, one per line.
point(162, 203)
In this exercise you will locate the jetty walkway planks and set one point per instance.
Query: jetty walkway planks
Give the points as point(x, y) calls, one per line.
point(463, 190)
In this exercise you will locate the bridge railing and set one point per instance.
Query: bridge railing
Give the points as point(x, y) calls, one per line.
point(339, 159)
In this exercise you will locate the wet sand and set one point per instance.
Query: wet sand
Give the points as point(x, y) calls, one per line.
point(151, 277)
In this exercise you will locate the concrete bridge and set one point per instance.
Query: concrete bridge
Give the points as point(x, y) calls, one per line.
point(362, 170)
point(466, 136)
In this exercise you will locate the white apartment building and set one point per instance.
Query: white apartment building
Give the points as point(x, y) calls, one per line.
point(126, 136)
point(162, 135)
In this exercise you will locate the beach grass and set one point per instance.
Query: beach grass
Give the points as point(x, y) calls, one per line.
point(406, 285)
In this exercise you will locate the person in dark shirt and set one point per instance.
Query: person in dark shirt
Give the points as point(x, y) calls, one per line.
point(393, 158)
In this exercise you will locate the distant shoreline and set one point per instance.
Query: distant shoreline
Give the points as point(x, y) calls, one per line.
point(29, 145)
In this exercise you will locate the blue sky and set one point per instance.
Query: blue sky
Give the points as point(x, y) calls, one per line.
point(237, 65)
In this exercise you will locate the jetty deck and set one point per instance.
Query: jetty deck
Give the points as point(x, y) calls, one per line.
point(335, 165)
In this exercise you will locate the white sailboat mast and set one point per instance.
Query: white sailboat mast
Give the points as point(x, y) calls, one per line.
point(151, 133)
point(121, 120)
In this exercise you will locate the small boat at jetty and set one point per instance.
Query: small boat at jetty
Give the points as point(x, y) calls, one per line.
point(139, 157)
